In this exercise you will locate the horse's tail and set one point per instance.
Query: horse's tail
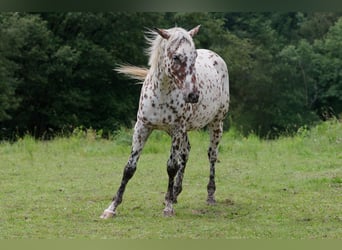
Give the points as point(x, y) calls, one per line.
point(134, 72)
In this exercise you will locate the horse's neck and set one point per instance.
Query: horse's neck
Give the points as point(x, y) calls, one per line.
point(159, 81)
point(159, 85)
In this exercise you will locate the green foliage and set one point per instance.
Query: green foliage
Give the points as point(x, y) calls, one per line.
point(56, 69)
point(318, 69)
point(282, 91)
point(328, 71)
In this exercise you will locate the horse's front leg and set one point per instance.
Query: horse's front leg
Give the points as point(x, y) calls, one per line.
point(175, 166)
point(177, 189)
point(140, 136)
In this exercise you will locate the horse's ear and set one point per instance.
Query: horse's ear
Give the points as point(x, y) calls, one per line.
point(163, 33)
point(194, 31)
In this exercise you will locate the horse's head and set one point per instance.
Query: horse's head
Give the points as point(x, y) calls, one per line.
point(179, 59)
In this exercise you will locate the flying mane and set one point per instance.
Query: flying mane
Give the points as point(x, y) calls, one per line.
point(155, 51)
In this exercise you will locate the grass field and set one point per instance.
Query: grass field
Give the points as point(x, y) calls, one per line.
point(289, 188)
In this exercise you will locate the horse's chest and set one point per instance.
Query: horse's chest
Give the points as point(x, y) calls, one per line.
point(158, 112)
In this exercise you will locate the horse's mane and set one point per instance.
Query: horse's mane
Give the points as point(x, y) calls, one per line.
point(140, 73)
point(155, 49)
point(157, 44)
point(154, 52)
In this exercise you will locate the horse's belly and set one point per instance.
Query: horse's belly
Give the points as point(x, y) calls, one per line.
point(202, 114)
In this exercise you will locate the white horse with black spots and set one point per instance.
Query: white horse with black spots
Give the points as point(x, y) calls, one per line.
point(183, 89)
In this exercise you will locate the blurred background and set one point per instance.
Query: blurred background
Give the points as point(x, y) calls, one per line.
point(56, 68)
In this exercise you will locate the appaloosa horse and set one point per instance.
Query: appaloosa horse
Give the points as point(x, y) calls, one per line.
point(184, 89)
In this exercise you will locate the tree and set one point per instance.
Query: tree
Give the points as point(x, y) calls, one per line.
point(31, 51)
point(328, 72)
point(94, 94)
point(8, 81)
point(56, 69)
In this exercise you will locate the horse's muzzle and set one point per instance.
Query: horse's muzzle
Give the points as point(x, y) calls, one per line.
point(192, 97)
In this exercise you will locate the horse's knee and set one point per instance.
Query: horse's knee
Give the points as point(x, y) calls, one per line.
point(172, 167)
point(212, 155)
point(129, 172)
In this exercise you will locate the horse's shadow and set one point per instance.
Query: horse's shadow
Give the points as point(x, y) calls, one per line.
point(226, 208)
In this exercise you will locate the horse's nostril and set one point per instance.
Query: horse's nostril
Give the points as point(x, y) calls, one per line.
point(193, 97)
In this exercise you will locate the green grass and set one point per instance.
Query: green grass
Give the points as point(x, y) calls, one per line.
point(289, 188)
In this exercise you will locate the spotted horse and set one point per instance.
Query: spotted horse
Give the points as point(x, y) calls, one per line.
point(183, 89)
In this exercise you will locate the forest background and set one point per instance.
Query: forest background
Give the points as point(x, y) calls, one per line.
point(56, 68)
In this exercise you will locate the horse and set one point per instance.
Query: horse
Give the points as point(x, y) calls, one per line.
point(183, 89)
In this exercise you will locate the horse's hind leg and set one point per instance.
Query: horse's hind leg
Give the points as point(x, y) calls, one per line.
point(140, 136)
point(215, 131)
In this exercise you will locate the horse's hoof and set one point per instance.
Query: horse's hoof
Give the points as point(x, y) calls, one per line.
point(168, 212)
point(107, 214)
point(211, 201)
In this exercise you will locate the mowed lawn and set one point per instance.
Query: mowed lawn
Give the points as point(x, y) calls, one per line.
point(289, 188)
